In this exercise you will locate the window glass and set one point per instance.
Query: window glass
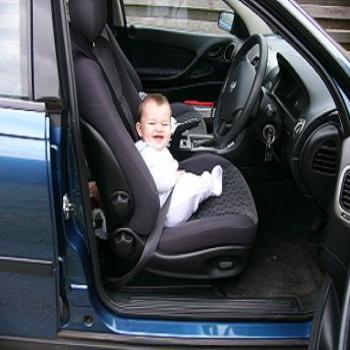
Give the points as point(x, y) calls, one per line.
point(186, 15)
point(13, 48)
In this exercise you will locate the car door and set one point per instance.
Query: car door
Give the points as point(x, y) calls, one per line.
point(28, 256)
point(190, 54)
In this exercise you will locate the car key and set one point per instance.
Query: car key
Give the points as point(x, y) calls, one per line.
point(269, 134)
point(268, 151)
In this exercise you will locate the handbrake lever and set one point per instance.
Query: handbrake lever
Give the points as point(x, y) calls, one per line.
point(190, 123)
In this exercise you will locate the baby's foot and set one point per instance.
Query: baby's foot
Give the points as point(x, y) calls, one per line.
point(216, 175)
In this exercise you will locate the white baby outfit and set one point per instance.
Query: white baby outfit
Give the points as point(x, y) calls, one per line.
point(189, 189)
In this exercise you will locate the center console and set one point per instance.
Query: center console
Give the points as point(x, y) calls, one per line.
point(192, 141)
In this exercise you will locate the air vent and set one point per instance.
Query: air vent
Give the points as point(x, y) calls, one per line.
point(345, 192)
point(229, 51)
point(326, 158)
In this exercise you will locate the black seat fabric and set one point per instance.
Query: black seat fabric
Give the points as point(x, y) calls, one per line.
point(106, 48)
point(216, 241)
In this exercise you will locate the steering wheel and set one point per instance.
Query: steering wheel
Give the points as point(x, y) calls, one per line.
point(240, 91)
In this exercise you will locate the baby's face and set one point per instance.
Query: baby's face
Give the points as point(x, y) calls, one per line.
point(154, 126)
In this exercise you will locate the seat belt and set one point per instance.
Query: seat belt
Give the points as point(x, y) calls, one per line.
point(118, 53)
point(149, 248)
point(105, 58)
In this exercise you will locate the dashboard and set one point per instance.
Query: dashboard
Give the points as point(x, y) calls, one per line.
point(290, 91)
point(297, 102)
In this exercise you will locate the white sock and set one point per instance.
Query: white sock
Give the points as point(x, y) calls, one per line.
point(216, 175)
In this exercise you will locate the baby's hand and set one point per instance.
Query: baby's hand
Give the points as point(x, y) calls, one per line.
point(94, 191)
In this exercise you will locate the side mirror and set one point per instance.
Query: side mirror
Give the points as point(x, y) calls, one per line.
point(225, 20)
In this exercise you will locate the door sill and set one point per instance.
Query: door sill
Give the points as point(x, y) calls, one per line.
point(213, 308)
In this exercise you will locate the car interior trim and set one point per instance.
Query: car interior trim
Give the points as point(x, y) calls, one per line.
point(81, 340)
point(341, 212)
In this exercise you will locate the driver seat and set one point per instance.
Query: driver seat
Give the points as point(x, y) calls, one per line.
point(88, 16)
point(215, 242)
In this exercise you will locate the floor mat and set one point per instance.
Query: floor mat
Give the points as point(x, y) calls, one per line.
point(277, 268)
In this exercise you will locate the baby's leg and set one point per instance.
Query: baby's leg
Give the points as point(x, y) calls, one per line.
point(189, 192)
point(216, 176)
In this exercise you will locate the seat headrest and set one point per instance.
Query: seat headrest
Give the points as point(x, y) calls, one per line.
point(88, 17)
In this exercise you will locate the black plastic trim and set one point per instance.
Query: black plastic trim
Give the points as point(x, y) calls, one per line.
point(71, 340)
point(185, 308)
point(344, 334)
point(326, 320)
point(27, 266)
point(320, 177)
point(201, 264)
point(130, 342)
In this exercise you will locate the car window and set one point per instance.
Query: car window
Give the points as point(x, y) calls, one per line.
point(14, 59)
point(187, 15)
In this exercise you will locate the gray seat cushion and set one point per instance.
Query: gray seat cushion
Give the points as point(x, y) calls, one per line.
point(218, 231)
point(230, 219)
point(236, 198)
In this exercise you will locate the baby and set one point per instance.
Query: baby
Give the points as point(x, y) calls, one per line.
point(154, 129)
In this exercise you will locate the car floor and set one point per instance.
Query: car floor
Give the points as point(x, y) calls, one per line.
point(283, 266)
point(284, 259)
point(278, 268)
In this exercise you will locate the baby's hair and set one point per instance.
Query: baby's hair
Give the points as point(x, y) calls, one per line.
point(159, 99)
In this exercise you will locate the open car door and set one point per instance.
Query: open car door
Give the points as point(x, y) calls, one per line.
point(331, 321)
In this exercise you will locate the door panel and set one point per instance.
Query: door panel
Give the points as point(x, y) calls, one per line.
point(28, 262)
point(181, 65)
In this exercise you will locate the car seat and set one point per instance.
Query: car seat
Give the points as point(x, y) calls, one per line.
point(108, 50)
point(216, 241)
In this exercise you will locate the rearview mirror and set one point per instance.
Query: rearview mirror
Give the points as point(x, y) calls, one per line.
point(225, 20)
